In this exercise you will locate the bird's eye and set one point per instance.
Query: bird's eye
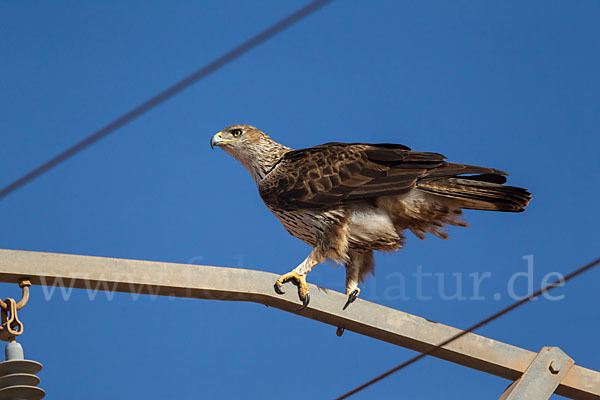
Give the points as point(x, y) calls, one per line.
point(236, 132)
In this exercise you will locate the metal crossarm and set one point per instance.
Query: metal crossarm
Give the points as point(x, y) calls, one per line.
point(233, 284)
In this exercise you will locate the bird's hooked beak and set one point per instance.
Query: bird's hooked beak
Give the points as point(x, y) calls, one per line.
point(217, 140)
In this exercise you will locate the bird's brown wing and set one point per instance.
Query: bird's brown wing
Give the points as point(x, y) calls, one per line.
point(336, 173)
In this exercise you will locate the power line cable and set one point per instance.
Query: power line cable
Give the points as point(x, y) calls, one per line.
point(478, 325)
point(228, 57)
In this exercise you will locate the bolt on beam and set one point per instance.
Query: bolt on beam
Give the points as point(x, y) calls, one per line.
point(542, 377)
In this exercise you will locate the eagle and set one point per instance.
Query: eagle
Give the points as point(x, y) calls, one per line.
point(347, 200)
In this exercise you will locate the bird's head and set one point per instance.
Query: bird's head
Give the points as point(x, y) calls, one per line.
point(250, 146)
point(236, 138)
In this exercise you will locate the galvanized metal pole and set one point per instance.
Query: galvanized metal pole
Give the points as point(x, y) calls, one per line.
point(218, 283)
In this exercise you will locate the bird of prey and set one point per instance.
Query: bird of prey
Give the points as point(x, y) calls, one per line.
point(347, 200)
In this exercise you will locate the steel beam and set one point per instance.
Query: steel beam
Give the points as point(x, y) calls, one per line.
point(542, 377)
point(219, 283)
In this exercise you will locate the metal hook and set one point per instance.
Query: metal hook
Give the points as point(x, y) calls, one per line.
point(24, 284)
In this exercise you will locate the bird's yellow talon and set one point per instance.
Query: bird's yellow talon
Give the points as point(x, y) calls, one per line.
point(300, 281)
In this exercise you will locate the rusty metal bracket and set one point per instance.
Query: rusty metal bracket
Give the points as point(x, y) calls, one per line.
point(11, 326)
point(542, 377)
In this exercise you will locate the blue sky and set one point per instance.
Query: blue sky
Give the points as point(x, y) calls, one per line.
point(512, 85)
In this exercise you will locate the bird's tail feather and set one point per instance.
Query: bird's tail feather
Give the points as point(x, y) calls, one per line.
point(479, 192)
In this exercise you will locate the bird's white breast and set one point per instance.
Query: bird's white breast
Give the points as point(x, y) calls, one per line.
point(372, 227)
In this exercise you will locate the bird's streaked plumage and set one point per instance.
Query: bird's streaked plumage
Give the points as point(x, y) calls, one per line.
point(347, 200)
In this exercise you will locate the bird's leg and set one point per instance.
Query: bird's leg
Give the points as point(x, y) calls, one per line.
point(359, 264)
point(331, 242)
point(352, 272)
point(352, 289)
point(298, 275)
